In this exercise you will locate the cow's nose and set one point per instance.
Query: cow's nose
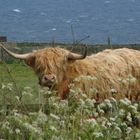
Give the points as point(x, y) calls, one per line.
point(49, 77)
point(48, 80)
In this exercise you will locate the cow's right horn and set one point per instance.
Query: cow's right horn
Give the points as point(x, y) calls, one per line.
point(74, 56)
point(15, 55)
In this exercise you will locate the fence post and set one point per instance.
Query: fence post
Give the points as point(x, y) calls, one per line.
point(109, 42)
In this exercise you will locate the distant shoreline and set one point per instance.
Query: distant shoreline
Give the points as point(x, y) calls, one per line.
point(23, 47)
point(73, 46)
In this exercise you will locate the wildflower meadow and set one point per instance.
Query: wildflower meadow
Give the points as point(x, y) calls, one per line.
point(32, 113)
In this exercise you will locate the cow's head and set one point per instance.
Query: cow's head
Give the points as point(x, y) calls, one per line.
point(49, 63)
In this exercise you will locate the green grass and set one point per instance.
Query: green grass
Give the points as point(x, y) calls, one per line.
point(77, 118)
point(21, 77)
point(22, 74)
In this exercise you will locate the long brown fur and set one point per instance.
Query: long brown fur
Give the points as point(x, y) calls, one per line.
point(114, 72)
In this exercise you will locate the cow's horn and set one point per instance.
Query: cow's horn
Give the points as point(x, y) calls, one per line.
point(15, 55)
point(74, 56)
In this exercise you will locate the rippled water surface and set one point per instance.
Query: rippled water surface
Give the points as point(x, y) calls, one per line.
point(47, 20)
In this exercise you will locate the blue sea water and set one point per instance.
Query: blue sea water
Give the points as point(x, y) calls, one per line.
point(47, 20)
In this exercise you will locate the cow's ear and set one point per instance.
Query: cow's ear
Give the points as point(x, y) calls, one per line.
point(30, 61)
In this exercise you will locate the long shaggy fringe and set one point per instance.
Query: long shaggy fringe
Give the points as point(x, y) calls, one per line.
point(113, 72)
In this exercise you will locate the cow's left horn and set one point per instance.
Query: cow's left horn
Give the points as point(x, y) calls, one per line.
point(15, 55)
point(74, 56)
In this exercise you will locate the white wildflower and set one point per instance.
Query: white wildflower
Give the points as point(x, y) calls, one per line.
point(62, 123)
point(112, 119)
point(31, 128)
point(101, 111)
point(95, 114)
point(28, 88)
point(129, 118)
point(83, 96)
point(109, 105)
point(125, 102)
point(17, 98)
point(109, 124)
point(89, 78)
point(104, 124)
point(107, 102)
point(6, 125)
point(136, 105)
point(93, 90)
point(53, 128)
point(42, 118)
point(82, 103)
point(137, 135)
point(124, 81)
point(121, 112)
point(27, 126)
point(133, 108)
point(10, 86)
point(11, 131)
point(98, 134)
point(91, 121)
point(55, 116)
point(124, 125)
point(72, 117)
point(113, 90)
point(94, 101)
point(71, 85)
point(64, 102)
point(113, 100)
point(89, 102)
point(114, 124)
point(129, 130)
point(57, 138)
point(3, 86)
point(75, 80)
point(17, 130)
point(27, 93)
point(102, 105)
point(17, 114)
point(118, 129)
point(131, 78)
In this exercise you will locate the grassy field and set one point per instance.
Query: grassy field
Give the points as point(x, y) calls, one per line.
point(18, 76)
point(53, 119)
point(22, 74)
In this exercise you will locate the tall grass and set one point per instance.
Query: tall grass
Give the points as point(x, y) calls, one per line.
point(75, 118)
point(49, 118)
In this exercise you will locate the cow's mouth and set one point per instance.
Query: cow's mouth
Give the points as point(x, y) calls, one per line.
point(48, 81)
point(50, 85)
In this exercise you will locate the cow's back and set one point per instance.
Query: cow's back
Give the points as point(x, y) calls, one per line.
point(117, 70)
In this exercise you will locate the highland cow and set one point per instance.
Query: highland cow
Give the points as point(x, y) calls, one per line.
point(103, 75)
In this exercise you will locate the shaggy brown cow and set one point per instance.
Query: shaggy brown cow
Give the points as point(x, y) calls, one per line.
point(102, 75)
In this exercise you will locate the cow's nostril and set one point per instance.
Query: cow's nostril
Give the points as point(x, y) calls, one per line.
point(46, 78)
point(53, 77)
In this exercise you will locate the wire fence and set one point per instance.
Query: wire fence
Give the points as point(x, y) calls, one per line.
point(75, 47)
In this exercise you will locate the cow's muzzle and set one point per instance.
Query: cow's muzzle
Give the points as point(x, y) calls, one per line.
point(47, 80)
